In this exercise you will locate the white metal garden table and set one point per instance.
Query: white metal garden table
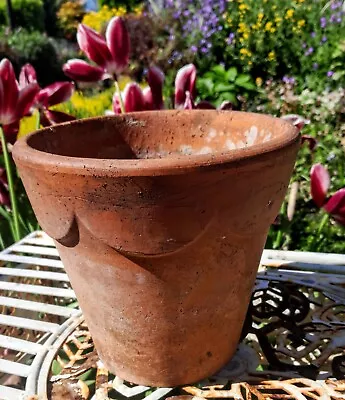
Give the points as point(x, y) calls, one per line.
point(292, 344)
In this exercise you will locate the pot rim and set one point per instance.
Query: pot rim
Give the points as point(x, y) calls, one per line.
point(37, 159)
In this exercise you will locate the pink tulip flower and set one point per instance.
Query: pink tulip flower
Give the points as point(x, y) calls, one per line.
point(185, 82)
point(111, 54)
point(51, 95)
point(319, 185)
point(15, 101)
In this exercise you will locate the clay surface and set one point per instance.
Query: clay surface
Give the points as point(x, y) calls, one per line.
point(160, 219)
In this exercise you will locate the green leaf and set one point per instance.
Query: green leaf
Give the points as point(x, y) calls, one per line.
point(224, 87)
point(219, 71)
point(226, 97)
point(74, 304)
point(242, 78)
point(56, 368)
point(247, 85)
point(231, 74)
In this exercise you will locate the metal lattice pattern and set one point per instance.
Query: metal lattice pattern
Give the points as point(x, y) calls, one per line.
point(293, 348)
point(292, 344)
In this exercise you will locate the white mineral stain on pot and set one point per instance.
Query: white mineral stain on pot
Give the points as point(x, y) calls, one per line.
point(251, 135)
point(240, 144)
point(186, 149)
point(212, 134)
point(267, 137)
point(230, 145)
point(205, 150)
point(140, 278)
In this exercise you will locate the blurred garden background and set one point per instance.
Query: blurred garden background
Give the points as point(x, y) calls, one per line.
point(269, 56)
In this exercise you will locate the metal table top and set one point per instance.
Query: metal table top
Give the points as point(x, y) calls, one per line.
point(292, 343)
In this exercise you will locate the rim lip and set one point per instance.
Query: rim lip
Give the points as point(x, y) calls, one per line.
point(28, 156)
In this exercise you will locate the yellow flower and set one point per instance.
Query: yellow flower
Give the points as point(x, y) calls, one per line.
point(258, 81)
point(278, 20)
point(268, 26)
point(260, 16)
point(271, 56)
point(245, 36)
point(98, 20)
point(250, 62)
point(243, 7)
point(272, 30)
point(245, 52)
point(289, 13)
point(301, 23)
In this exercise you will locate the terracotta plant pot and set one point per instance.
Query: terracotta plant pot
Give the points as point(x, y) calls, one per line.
point(160, 219)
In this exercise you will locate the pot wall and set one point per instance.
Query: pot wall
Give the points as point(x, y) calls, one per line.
point(163, 265)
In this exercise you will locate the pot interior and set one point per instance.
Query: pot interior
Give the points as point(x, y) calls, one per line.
point(160, 134)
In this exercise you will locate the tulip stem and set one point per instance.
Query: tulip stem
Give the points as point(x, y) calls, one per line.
point(122, 106)
point(322, 223)
point(38, 121)
point(8, 167)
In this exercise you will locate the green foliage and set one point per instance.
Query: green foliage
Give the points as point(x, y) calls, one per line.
point(279, 37)
point(37, 49)
point(310, 229)
point(220, 85)
point(129, 4)
point(27, 220)
point(69, 16)
point(28, 14)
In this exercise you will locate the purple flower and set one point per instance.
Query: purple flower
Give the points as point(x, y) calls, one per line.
point(309, 51)
point(323, 22)
point(315, 65)
point(335, 5)
point(230, 38)
point(330, 74)
point(290, 80)
point(313, 34)
point(323, 39)
point(333, 18)
point(193, 49)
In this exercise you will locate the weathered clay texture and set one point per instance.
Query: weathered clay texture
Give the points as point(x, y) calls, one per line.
point(160, 219)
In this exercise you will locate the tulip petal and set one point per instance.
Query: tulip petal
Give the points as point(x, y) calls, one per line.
point(133, 98)
point(226, 106)
point(27, 75)
point(310, 141)
point(52, 117)
point(185, 81)
point(3, 178)
point(336, 206)
point(11, 132)
point(56, 93)
point(79, 70)
point(319, 184)
point(155, 79)
point(93, 45)
point(148, 98)
point(4, 197)
point(116, 104)
point(9, 93)
point(297, 120)
point(188, 104)
point(336, 203)
point(26, 99)
point(118, 42)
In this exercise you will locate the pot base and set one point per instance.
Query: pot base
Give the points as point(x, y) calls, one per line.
point(172, 379)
